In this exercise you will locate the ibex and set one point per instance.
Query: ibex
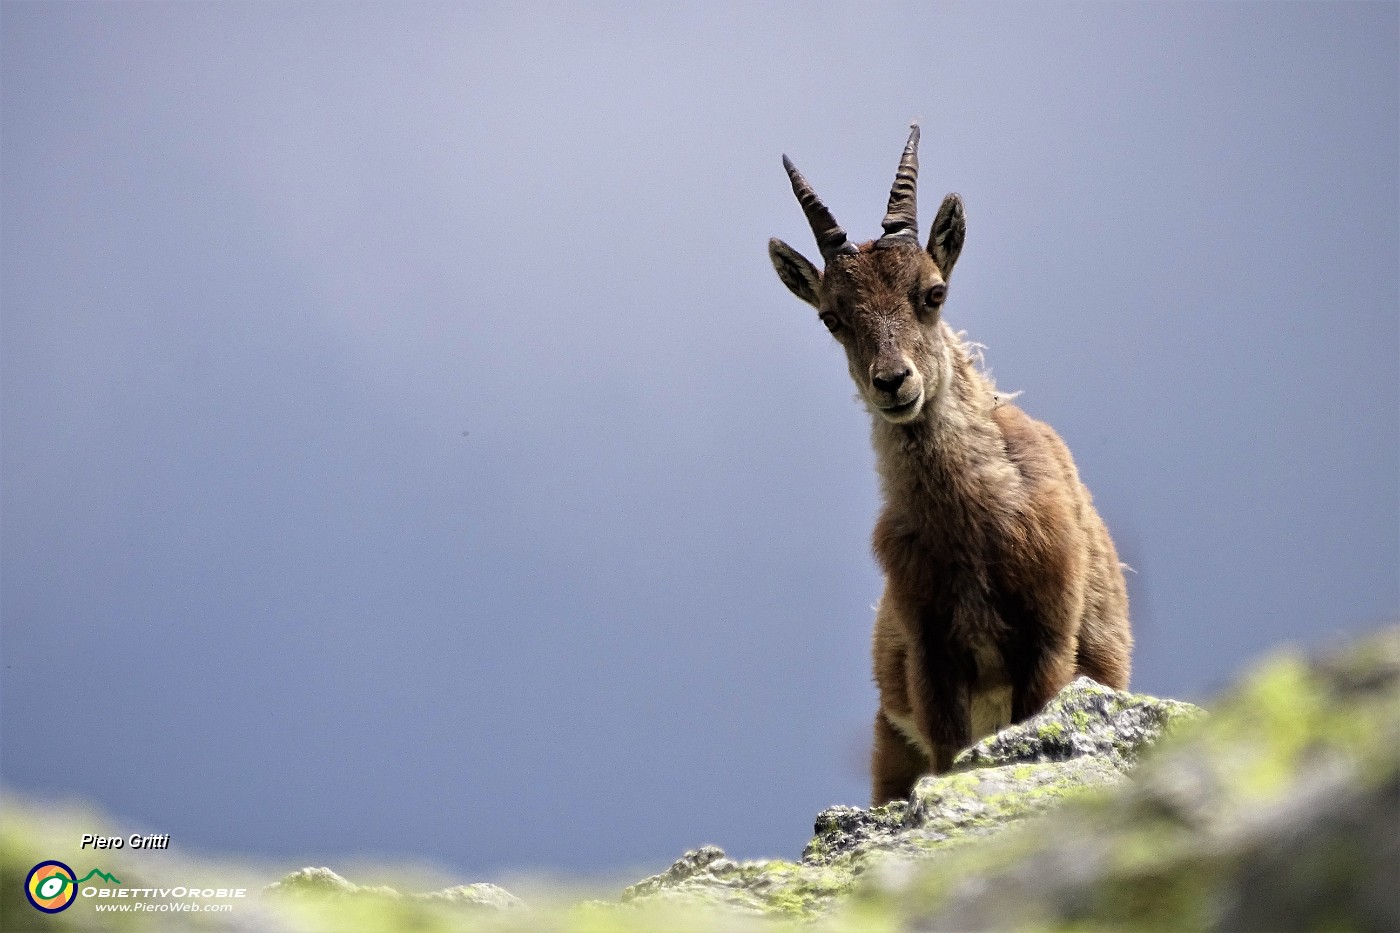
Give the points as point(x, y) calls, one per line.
point(1001, 581)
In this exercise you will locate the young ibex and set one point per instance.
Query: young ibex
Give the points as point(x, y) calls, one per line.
point(1001, 582)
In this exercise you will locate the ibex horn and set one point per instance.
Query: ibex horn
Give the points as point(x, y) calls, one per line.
point(831, 239)
point(901, 218)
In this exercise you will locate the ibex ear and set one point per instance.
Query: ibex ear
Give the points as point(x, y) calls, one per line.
point(945, 241)
point(796, 271)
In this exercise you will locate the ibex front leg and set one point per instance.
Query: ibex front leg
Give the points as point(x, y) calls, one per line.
point(1040, 654)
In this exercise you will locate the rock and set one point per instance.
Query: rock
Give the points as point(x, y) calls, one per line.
point(322, 882)
point(1328, 858)
point(316, 880)
point(1087, 737)
point(1278, 813)
point(325, 883)
point(705, 877)
point(976, 803)
point(475, 895)
point(1085, 720)
point(843, 831)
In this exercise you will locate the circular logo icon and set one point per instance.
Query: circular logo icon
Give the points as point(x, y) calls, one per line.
point(51, 887)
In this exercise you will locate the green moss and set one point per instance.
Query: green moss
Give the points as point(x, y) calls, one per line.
point(1284, 716)
point(1168, 898)
point(1052, 729)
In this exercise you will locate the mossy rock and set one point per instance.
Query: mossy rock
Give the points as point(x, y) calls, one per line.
point(1085, 720)
point(1277, 813)
point(1087, 738)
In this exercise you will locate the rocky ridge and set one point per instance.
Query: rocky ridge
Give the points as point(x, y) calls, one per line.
point(1108, 811)
point(1276, 812)
point(1088, 736)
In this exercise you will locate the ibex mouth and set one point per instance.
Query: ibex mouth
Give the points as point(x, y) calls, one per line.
point(905, 412)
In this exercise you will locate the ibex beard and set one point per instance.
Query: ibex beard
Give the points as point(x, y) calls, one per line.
point(1001, 581)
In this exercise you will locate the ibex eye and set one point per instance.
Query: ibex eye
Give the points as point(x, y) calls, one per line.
point(935, 295)
point(832, 322)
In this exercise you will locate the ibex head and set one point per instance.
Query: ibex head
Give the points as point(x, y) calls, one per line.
point(882, 300)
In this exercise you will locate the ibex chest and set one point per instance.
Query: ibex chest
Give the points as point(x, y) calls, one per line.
point(964, 646)
point(948, 608)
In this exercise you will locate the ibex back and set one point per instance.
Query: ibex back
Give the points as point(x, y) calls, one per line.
point(1001, 581)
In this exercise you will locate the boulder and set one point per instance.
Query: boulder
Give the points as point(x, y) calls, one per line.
point(1278, 813)
point(1088, 737)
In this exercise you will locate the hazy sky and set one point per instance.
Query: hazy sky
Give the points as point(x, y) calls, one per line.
point(408, 450)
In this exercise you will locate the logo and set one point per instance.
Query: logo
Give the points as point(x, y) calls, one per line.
point(52, 886)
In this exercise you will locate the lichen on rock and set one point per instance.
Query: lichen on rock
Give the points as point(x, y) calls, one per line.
point(705, 876)
point(842, 831)
point(486, 896)
point(1088, 737)
point(1279, 813)
point(323, 882)
point(1276, 812)
point(1085, 720)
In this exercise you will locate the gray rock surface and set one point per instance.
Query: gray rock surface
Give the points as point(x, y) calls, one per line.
point(1088, 737)
point(1085, 720)
point(323, 882)
point(1280, 813)
point(1277, 812)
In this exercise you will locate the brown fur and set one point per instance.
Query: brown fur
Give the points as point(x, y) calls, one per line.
point(1001, 581)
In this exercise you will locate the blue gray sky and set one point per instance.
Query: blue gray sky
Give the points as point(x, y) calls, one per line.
point(408, 451)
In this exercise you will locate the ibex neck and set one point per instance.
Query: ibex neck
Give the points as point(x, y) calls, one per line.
point(951, 460)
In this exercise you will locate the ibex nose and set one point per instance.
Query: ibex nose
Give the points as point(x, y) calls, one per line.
point(889, 380)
